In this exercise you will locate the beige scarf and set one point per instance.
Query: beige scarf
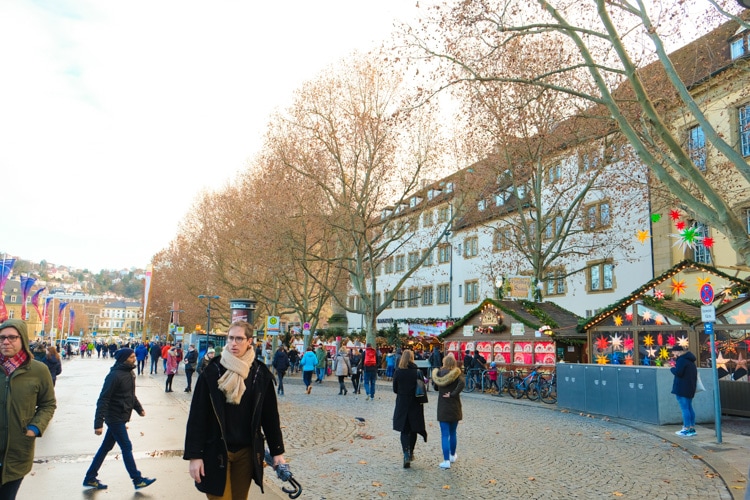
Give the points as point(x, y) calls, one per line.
point(232, 383)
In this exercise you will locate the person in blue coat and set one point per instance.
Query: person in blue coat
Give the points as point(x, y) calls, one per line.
point(307, 364)
point(685, 379)
point(141, 353)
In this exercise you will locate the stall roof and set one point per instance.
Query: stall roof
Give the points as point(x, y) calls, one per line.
point(532, 314)
point(686, 312)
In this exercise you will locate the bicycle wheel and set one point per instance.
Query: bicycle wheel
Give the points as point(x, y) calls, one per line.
point(548, 393)
point(516, 387)
point(533, 391)
point(469, 384)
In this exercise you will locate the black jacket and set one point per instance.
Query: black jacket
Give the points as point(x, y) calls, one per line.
point(281, 361)
point(204, 437)
point(685, 376)
point(117, 399)
point(407, 408)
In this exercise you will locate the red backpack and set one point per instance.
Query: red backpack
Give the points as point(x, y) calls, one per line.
point(370, 357)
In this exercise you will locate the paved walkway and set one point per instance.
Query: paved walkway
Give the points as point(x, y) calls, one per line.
point(507, 449)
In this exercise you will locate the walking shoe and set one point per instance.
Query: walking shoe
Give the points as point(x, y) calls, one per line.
point(309, 388)
point(683, 432)
point(454, 457)
point(143, 482)
point(691, 432)
point(446, 464)
point(94, 483)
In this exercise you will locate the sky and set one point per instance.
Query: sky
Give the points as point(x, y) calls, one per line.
point(115, 115)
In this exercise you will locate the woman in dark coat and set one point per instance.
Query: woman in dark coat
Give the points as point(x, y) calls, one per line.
point(449, 382)
point(408, 416)
point(685, 378)
point(52, 360)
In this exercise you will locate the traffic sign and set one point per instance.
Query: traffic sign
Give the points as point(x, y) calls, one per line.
point(708, 314)
point(708, 328)
point(273, 324)
point(707, 294)
point(306, 325)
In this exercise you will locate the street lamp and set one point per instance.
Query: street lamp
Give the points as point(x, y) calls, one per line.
point(499, 286)
point(208, 315)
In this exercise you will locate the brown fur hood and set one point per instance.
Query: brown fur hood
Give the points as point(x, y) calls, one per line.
point(447, 378)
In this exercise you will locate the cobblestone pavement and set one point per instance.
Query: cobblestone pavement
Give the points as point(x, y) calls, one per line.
point(505, 450)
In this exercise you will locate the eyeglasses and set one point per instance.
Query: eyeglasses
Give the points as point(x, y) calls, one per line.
point(236, 340)
point(9, 338)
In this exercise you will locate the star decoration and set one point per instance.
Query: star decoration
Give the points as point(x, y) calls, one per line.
point(740, 317)
point(659, 339)
point(601, 359)
point(642, 235)
point(648, 340)
point(651, 351)
point(678, 287)
point(616, 341)
point(602, 343)
point(646, 316)
point(659, 320)
point(659, 294)
point(680, 225)
point(701, 281)
point(663, 353)
point(708, 242)
point(674, 214)
point(628, 343)
point(671, 341)
point(655, 217)
point(618, 320)
point(629, 359)
point(629, 317)
point(740, 362)
point(721, 361)
point(682, 342)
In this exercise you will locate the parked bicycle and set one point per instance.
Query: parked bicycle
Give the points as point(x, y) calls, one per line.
point(527, 386)
point(476, 377)
point(548, 389)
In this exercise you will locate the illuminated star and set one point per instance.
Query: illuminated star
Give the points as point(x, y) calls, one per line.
point(671, 341)
point(721, 361)
point(628, 343)
point(601, 359)
point(618, 320)
point(680, 225)
point(642, 235)
point(663, 353)
point(660, 339)
point(616, 341)
point(602, 343)
point(674, 214)
point(708, 242)
point(702, 281)
point(659, 294)
point(648, 340)
point(629, 359)
point(651, 351)
point(659, 320)
point(655, 217)
point(740, 362)
point(678, 287)
point(646, 316)
point(682, 342)
point(740, 318)
point(687, 238)
point(629, 316)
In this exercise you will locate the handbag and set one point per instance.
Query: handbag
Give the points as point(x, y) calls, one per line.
point(699, 387)
point(420, 394)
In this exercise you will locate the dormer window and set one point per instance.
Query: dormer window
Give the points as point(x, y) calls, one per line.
point(414, 201)
point(740, 45)
point(386, 213)
point(449, 187)
point(430, 194)
point(499, 199)
point(481, 205)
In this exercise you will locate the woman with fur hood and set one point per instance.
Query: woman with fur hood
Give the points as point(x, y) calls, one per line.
point(449, 382)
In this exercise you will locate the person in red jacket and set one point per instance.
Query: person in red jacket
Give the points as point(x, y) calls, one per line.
point(164, 353)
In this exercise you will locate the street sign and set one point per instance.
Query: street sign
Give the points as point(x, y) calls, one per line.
point(273, 324)
point(708, 328)
point(708, 314)
point(306, 325)
point(707, 294)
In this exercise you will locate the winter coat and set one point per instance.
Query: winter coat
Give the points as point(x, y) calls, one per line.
point(407, 408)
point(341, 365)
point(155, 351)
point(54, 366)
point(436, 359)
point(320, 355)
point(172, 362)
point(309, 362)
point(117, 399)
point(204, 437)
point(191, 360)
point(165, 351)
point(685, 376)
point(448, 382)
point(28, 400)
point(281, 361)
point(141, 352)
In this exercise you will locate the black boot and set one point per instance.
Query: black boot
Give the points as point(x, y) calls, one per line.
point(407, 460)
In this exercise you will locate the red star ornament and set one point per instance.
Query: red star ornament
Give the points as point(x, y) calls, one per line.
point(674, 214)
point(602, 343)
point(680, 225)
point(708, 242)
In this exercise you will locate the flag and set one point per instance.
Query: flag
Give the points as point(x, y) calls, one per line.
point(3, 310)
point(5, 266)
point(46, 311)
point(72, 318)
point(60, 309)
point(35, 301)
point(26, 284)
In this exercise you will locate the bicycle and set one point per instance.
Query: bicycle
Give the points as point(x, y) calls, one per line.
point(471, 379)
point(548, 389)
point(527, 386)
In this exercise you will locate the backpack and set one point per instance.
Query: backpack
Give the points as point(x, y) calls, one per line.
point(370, 357)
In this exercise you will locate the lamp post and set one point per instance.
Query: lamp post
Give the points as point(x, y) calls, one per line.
point(208, 315)
point(499, 287)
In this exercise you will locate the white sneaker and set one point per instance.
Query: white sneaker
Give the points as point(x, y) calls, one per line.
point(445, 465)
point(454, 457)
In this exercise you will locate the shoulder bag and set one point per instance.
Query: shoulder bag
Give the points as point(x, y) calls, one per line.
point(420, 394)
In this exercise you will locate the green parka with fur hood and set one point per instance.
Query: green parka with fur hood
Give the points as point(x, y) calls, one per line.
point(448, 382)
point(27, 398)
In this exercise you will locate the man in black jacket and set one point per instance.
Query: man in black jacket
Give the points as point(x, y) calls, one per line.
point(115, 405)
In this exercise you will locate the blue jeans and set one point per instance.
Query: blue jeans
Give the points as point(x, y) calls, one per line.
point(116, 433)
point(688, 414)
point(370, 383)
point(321, 372)
point(307, 377)
point(154, 365)
point(448, 438)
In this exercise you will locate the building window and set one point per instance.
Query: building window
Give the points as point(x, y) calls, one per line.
point(471, 247)
point(389, 265)
point(747, 220)
point(555, 281)
point(697, 147)
point(555, 172)
point(429, 259)
point(701, 254)
point(413, 297)
point(444, 254)
point(500, 199)
point(601, 276)
point(390, 304)
point(444, 214)
point(427, 219)
point(378, 300)
point(744, 121)
point(597, 215)
point(739, 47)
point(481, 205)
point(400, 298)
point(413, 259)
point(427, 296)
point(472, 292)
point(449, 187)
point(351, 301)
point(444, 294)
point(400, 264)
point(502, 240)
point(589, 161)
point(379, 269)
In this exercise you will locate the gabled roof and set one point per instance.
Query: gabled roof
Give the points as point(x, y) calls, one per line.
point(686, 312)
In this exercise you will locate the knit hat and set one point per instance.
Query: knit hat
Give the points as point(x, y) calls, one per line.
point(211, 350)
point(677, 348)
point(123, 354)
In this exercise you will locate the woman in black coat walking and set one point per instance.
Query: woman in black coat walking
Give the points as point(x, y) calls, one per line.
point(281, 364)
point(449, 381)
point(52, 360)
point(408, 416)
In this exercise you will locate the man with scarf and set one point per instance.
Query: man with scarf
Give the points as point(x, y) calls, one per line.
point(114, 407)
point(28, 403)
point(233, 400)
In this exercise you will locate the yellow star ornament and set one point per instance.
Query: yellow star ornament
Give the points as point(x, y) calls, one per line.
point(642, 235)
point(618, 320)
point(663, 353)
point(699, 282)
point(601, 359)
point(648, 340)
